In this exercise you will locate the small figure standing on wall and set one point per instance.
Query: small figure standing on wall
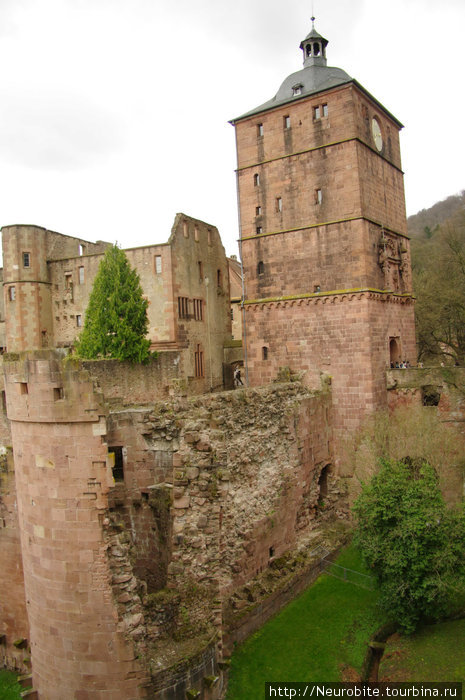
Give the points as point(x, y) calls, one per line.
point(237, 377)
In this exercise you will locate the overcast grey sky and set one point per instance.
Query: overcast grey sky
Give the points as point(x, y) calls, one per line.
point(114, 113)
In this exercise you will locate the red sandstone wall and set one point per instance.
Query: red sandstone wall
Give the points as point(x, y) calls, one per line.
point(62, 481)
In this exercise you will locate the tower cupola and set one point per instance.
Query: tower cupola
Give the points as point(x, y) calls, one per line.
point(314, 48)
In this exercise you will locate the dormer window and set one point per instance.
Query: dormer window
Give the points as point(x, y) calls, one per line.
point(297, 89)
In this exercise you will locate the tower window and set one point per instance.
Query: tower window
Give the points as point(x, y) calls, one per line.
point(78, 320)
point(198, 360)
point(158, 264)
point(308, 49)
point(279, 204)
point(261, 268)
point(318, 196)
point(81, 275)
point(117, 462)
point(316, 113)
point(259, 230)
point(316, 49)
point(297, 90)
point(198, 309)
point(183, 307)
point(287, 122)
point(11, 293)
point(196, 233)
point(219, 279)
point(68, 280)
point(256, 180)
point(325, 110)
point(264, 353)
point(258, 211)
point(259, 130)
point(185, 229)
point(200, 266)
point(26, 260)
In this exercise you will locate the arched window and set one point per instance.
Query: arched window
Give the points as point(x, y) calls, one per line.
point(261, 268)
point(264, 353)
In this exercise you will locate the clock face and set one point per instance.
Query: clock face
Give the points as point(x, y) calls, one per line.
point(376, 131)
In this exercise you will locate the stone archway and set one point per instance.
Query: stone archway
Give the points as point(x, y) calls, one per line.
point(394, 350)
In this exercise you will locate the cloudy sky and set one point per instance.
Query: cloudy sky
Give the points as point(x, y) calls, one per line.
point(114, 113)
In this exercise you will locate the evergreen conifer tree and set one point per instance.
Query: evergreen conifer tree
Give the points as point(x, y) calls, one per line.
point(116, 318)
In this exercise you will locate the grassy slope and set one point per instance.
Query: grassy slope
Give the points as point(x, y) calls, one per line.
point(9, 688)
point(434, 653)
point(312, 639)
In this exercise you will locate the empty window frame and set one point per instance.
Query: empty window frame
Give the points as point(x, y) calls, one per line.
point(287, 122)
point(325, 110)
point(260, 130)
point(219, 279)
point(316, 113)
point(279, 204)
point(196, 233)
point(256, 180)
point(264, 352)
point(81, 274)
point(26, 259)
point(259, 230)
point(198, 362)
point(261, 268)
point(185, 229)
point(200, 269)
point(183, 307)
point(258, 211)
point(158, 266)
point(318, 196)
point(118, 462)
point(11, 293)
point(68, 280)
point(198, 309)
point(78, 320)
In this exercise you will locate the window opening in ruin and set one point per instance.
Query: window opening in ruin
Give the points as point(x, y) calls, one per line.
point(82, 249)
point(316, 288)
point(4, 401)
point(287, 122)
point(209, 236)
point(279, 204)
point(198, 361)
point(323, 484)
point(117, 462)
point(78, 320)
point(261, 268)
point(23, 388)
point(264, 353)
point(318, 196)
point(271, 552)
point(219, 279)
point(316, 112)
point(430, 395)
point(325, 110)
point(259, 130)
point(258, 211)
point(11, 293)
point(256, 180)
point(200, 266)
point(68, 280)
point(198, 309)
point(394, 351)
point(259, 230)
point(196, 233)
point(26, 260)
point(185, 229)
point(58, 393)
point(81, 275)
point(158, 264)
point(183, 307)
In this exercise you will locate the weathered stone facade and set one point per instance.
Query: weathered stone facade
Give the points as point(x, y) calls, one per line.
point(48, 278)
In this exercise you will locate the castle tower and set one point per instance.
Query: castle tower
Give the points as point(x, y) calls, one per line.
point(324, 236)
point(80, 643)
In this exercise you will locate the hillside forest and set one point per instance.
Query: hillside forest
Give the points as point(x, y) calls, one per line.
point(438, 266)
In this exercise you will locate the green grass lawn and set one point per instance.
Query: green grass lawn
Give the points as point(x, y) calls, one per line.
point(314, 638)
point(9, 688)
point(433, 653)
